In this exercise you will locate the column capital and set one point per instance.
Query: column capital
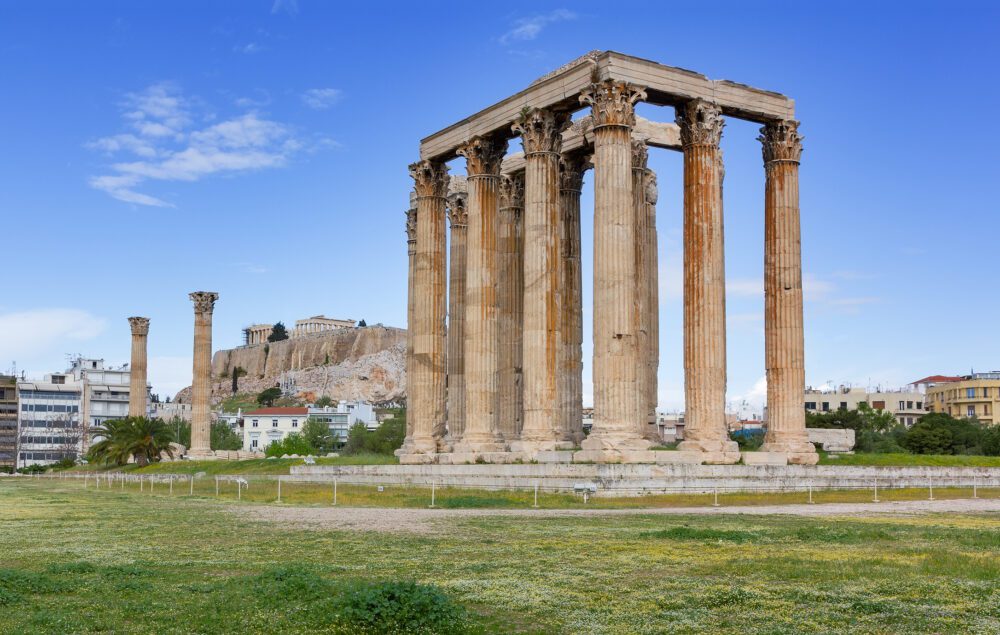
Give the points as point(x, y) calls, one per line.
point(204, 301)
point(612, 103)
point(411, 225)
point(571, 169)
point(458, 211)
point(781, 141)
point(512, 191)
point(701, 123)
point(541, 130)
point(430, 178)
point(483, 155)
point(640, 154)
point(140, 325)
point(652, 190)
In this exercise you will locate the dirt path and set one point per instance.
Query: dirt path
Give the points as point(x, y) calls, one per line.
point(419, 520)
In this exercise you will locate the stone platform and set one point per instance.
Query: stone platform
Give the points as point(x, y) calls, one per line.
point(639, 479)
point(657, 457)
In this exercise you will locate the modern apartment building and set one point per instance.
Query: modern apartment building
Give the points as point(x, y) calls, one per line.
point(976, 395)
point(49, 420)
point(8, 421)
point(906, 405)
point(107, 390)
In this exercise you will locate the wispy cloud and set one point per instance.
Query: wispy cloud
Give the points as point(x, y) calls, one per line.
point(321, 98)
point(250, 267)
point(529, 28)
point(164, 144)
point(248, 49)
point(291, 7)
point(39, 331)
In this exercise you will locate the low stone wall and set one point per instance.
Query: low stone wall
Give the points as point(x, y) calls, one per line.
point(639, 479)
point(832, 439)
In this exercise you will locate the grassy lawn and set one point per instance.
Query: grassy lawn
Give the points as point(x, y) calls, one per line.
point(945, 460)
point(250, 466)
point(75, 560)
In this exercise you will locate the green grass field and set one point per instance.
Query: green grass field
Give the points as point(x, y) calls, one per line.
point(75, 560)
point(943, 460)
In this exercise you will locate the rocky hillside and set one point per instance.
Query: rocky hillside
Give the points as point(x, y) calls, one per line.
point(362, 363)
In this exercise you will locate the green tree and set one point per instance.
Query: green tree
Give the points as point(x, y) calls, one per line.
point(318, 434)
point(357, 439)
point(278, 333)
point(324, 401)
point(991, 440)
point(137, 438)
point(362, 324)
point(268, 396)
point(294, 443)
point(225, 438)
point(928, 439)
point(388, 437)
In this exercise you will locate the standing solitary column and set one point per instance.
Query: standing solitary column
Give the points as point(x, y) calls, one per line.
point(201, 383)
point(653, 298)
point(427, 383)
point(642, 282)
point(482, 333)
point(458, 216)
point(571, 317)
point(137, 369)
point(411, 252)
point(541, 137)
point(705, 430)
point(618, 408)
point(511, 290)
point(783, 337)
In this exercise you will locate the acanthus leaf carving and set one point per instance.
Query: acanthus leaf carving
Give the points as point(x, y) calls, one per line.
point(651, 188)
point(612, 102)
point(512, 191)
point(140, 325)
point(411, 225)
point(571, 169)
point(541, 130)
point(483, 155)
point(701, 123)
point(430, 178)
point(640, 154)
point(458, 211)
point(781, 141)
point(204, 301)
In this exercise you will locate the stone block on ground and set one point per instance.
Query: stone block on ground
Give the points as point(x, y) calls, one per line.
point(765, 458)
point(667, 457)
point(553, 456)
point(614, 456)
point(417, 459)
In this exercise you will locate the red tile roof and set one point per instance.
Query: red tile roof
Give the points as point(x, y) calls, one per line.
point(936, 379)
point(279, 411)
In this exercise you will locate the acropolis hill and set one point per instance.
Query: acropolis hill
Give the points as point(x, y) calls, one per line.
point(354, 364)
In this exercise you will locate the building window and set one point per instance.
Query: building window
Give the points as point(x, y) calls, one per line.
point(810, 405)
point(253, 443)
point(878, 405)
point(970, 393)
point(843, 405)
point(902, 405)
point(274, 423)
point(986, 392)
point(971, 412)
point(255, 423)
point(826, 406)
point(920, 405)
point(295, 423)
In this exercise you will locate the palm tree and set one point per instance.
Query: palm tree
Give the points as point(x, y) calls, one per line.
point(132, 437)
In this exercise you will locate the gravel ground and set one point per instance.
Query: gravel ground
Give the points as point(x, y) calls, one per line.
point(429, 521)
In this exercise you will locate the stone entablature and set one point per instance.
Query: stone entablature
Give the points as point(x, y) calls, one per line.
point(525, 407)
point(319, 324)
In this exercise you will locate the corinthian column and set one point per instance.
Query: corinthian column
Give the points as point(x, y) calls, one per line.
point(705, 430)
point(653, 298)
point(201, 383)
point(783, 337)
point(541, 137)
point(511, 290)
point(458, 216)
point(427, 382)
point(137, 369)
point(571, 318)
point(642, 282)
point(482, 431)
point(411, 253)
point(618, 408)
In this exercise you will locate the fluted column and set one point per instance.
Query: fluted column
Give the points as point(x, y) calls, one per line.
point(511, 291)
point(137, 368)
point(458, 216)
point(541, 137)
point(642, 281)
point(783, 337)
point(705, 430)
point(201, 383)
point(618, 409)
point(571, 317)
point(427, 384)
point(411, 253)
point(653, 299)
point(482, 431)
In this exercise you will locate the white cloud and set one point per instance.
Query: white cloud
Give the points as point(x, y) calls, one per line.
point(529, 28)
point(40, 331)
point(166, 146)
point(291, 7)
point(250, 267)
point(321, 98)
point(248, 49)
point(169, 374)
point(755, 397)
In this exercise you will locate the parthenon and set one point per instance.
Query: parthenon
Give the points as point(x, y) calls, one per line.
point(495, 330)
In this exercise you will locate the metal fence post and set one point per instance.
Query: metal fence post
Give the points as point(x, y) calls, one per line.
point(930, 488)
point(171, 484)
point(810, 493)
point(279, 489)
point(536, 495)
point(715, 490)
point(216, 486)
point(875, 500)
point(433, 492)
point(974, 493)
point(335, 490)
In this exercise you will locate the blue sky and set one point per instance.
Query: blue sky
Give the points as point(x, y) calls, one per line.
point(259, 149)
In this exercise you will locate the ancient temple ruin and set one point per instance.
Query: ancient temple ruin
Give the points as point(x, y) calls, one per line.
point(495, 330)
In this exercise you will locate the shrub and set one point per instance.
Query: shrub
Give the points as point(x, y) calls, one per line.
point(294, 443)
point(405, 607)
point(991, 441)
point(748, 439)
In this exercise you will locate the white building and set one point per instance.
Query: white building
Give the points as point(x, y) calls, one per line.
point(107, 390)
point(264, 426)
point(168, 411)
point(49, 420)
point(906, 405)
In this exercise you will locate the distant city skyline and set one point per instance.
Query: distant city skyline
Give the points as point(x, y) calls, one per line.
point(259, 150)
